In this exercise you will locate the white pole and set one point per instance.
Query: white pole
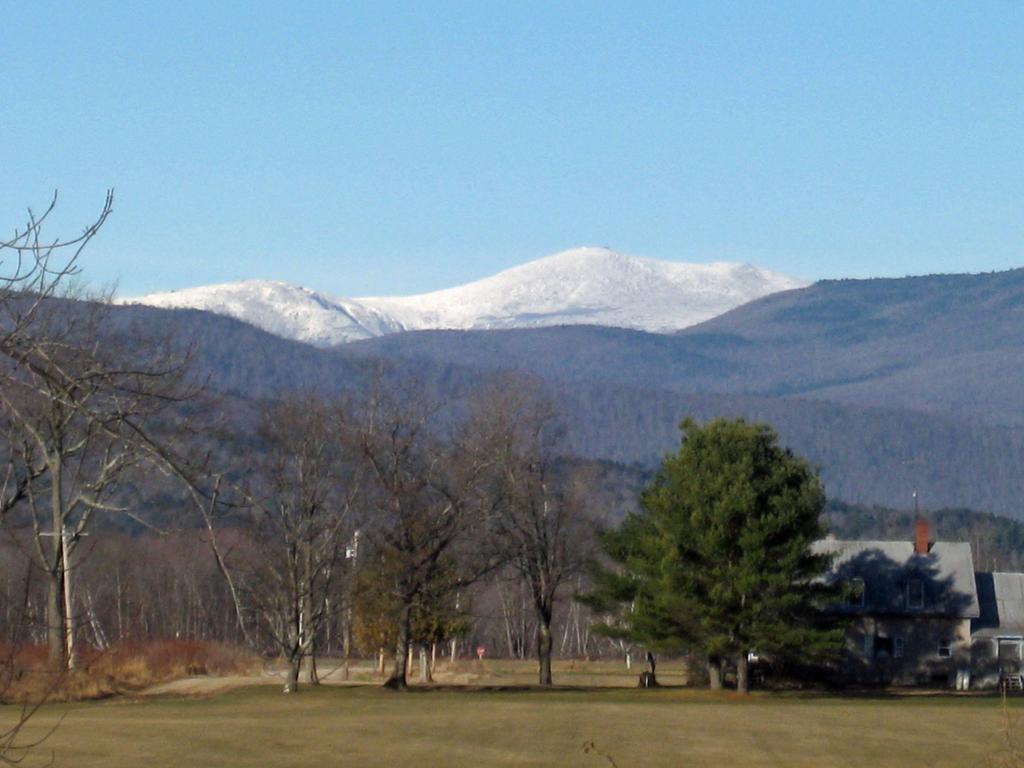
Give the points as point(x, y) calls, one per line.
point(69, 622)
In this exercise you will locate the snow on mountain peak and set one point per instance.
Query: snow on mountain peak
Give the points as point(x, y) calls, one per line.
point(280, 308)
point(589, 285)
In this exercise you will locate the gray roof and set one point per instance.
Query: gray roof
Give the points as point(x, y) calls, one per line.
point(1001, 597)
point(887, 569)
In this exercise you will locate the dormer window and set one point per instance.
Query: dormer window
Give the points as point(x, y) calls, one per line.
point(915, 593)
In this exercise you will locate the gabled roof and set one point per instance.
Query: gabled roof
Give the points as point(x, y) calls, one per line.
point(1001, 598)
point(946, 573)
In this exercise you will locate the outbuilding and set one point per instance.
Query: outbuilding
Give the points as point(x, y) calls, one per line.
point(997, 635)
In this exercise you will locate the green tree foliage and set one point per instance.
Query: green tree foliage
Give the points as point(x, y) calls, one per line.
point(439, 613)
point(718, 559)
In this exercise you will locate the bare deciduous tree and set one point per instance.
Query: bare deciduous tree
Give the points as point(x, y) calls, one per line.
point(301, 493)
point(425, 491)
point(32, 271)
point(80, 405)
point(542, 528)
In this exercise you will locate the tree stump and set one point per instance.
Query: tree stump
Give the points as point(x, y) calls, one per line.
point(648, 680)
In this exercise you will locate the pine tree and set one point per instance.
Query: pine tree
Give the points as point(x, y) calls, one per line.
point(718, 559)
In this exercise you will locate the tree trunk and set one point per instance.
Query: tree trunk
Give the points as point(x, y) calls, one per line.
point(522, 620)
point(306, 629)
point(120, 606)
point(506, 615)
point(380, 661)
point(715, 674)
point(742, 673)
point(398, 680)
point(291, 684)
point(56, 626)
point(424, 666)
point(544, 644)
point(55, 618)
point(346, 648)
point(314, 675)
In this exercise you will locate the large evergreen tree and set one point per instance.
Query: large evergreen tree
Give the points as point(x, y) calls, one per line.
point(719, 558)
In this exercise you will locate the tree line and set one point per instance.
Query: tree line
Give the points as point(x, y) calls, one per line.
point(386, 511)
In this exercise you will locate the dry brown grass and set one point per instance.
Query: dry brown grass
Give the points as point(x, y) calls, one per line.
point(122, 669)
point(483, 725)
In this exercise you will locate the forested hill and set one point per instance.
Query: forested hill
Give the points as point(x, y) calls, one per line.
point(952, 344)
point(869, 455)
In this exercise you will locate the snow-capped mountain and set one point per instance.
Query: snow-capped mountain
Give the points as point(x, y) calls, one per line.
point(282, 309)
point(593, 286)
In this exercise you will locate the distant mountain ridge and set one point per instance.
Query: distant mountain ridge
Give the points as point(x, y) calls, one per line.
point(945, 344)
point(867, 455)
point(583, 286)
point(889, 386)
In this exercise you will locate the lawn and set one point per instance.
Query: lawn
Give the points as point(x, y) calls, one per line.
point(504, 726)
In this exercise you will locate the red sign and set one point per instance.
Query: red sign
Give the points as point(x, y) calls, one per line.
point(480, 651)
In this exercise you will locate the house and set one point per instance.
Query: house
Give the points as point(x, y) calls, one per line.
point(911, 605)
point(997, 635)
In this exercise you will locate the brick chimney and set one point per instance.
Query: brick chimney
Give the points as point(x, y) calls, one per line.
point(922, 537)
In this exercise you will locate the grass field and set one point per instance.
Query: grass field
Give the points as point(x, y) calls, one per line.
point(495, 723)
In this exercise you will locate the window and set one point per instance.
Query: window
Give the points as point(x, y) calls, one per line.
point(855, 593)
point(945, 650)
point(897, 648)
point(915, 593)
point(884, 647)
point(869, 646)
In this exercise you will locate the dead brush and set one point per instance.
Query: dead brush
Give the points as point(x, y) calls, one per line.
point(123, 668)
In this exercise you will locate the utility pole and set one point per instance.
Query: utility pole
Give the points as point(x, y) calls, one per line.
point(69, 621)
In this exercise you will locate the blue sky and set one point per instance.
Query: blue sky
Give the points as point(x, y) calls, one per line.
point(376, 148)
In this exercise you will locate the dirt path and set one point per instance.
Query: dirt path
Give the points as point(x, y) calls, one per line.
point(210, 686)
point(205, 686)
